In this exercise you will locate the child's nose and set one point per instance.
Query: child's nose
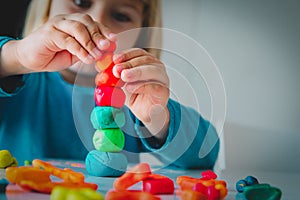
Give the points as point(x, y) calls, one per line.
point(98, 15)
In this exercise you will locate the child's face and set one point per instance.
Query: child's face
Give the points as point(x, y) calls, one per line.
point(118, 15)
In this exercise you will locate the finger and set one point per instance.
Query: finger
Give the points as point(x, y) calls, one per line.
point(146, 73)
point(56, 64)
point(92, 26)
point(158, 93)
point(97, 30)
point(135, 62)
point(108, 42)
point(88, 32)
point(79, 32)
point(107, 33)
point(139, 60)
point(146, 87)
point(129, 54)
point(66, 42)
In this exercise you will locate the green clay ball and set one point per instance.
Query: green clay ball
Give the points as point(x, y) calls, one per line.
point(109, 140)
point(27, 163)
point(104, 117)
point(81, 194)
point(91, 194)
point(73, 195)
point(262, 191)
point(59, 193)
point(6, 159)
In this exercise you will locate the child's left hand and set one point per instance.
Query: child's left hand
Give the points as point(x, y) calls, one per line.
point(146, 87)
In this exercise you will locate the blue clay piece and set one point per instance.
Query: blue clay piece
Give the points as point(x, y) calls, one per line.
point(105, 164)
point(251, 180)
point(240, 185)
point(3, 184)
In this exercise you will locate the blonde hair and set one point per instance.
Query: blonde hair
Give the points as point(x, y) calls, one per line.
point(38, 13)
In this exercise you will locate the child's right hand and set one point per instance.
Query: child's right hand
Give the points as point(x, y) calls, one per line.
point(59, 43)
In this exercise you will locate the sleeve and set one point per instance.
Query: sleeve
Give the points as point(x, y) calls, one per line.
point(12, 84)
point(187, 135)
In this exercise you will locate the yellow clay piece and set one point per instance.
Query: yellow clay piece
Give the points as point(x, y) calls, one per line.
point(6, 159)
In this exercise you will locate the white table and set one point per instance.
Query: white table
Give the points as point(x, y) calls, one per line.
point(288, 183)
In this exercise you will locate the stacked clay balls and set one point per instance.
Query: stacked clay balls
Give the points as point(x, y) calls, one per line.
point(107, 118)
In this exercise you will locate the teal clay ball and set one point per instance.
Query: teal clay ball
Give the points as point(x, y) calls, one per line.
point(105, 164)
point(104, 117)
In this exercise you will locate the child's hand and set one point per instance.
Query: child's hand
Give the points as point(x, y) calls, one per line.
point(62, 41)
point(146, 88)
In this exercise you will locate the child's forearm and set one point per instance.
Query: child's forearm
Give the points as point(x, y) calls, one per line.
point(186, 132)
point(9, 63)
point(159, 125)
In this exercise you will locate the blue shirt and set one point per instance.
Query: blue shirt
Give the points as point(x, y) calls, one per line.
point(50, 118)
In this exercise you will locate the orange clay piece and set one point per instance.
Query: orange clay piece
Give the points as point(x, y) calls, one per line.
point(132, 195)
point(104, 62)
point(46, 187)
point(207, 183)
point(222, 182)
point(179, 179)
point(187, 182)
point(37, 177)
point(222, 189)
point(106, 77)
point(192, 195)
point(137, 173)
point(18, 174)
point(66, 174)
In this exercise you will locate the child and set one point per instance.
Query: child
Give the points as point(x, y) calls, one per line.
point(38, 75)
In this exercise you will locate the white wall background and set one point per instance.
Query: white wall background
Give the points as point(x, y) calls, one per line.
point(256, 46)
